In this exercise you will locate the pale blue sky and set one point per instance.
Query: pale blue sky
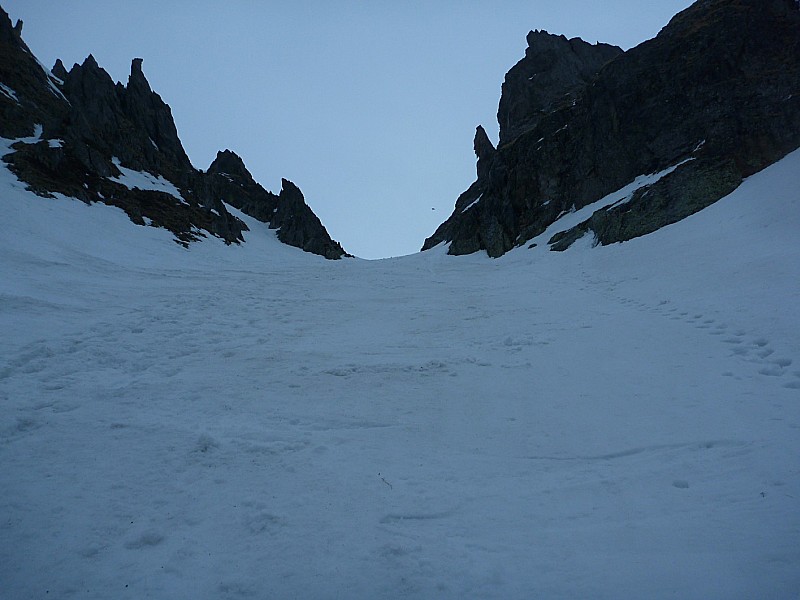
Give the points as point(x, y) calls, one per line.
point(369, 107)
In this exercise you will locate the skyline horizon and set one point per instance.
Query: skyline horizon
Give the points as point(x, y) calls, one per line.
point(369, 146)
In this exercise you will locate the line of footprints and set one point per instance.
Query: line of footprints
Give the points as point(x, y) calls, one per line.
point(753, 349)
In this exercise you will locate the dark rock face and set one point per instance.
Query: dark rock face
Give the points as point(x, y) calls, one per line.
point(719, 85)
point(287, 212)
point(551, 75)
point(82, 130)
point(29, 95)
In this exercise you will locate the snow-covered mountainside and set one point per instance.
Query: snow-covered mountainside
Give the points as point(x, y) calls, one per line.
point(256, 422)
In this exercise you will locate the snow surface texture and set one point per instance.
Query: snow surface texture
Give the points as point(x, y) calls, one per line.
point(257, 422)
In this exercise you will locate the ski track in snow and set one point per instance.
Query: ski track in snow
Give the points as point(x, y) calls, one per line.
point(254, 422)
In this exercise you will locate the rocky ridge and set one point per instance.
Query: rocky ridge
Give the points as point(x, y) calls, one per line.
point(78, 133)
point(716, 95)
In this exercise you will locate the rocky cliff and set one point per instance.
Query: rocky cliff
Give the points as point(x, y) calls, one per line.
point(551, 75)
point(714, 98)
point(287, 211)
point(76, 132)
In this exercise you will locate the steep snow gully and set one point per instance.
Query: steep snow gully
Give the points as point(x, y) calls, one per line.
point(257, 422)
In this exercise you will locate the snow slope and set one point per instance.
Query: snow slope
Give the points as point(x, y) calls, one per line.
point(257, 422)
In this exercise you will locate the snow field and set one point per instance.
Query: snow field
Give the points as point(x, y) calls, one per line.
point(256, 422)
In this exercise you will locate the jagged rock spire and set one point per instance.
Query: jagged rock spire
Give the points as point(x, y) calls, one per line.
point(137, 78)
point(59, 70)
point(229, 163)
point(287, 212)
point(104, 128)
point(484, 151)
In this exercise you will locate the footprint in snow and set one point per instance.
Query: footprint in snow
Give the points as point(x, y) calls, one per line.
point(262, 522)
point(793, 385)
point(756, 350)
point(145, 540)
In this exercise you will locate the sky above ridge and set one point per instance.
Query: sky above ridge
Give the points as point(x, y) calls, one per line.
point(369, 107)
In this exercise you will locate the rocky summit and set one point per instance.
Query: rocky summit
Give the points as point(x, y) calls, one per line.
point(78, 133)
point(711, 100)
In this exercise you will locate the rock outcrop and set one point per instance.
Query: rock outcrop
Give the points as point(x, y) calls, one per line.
point(287, 212)
point(716, 94)
point(28, 94)
point(551, 75)
point(80, 134)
